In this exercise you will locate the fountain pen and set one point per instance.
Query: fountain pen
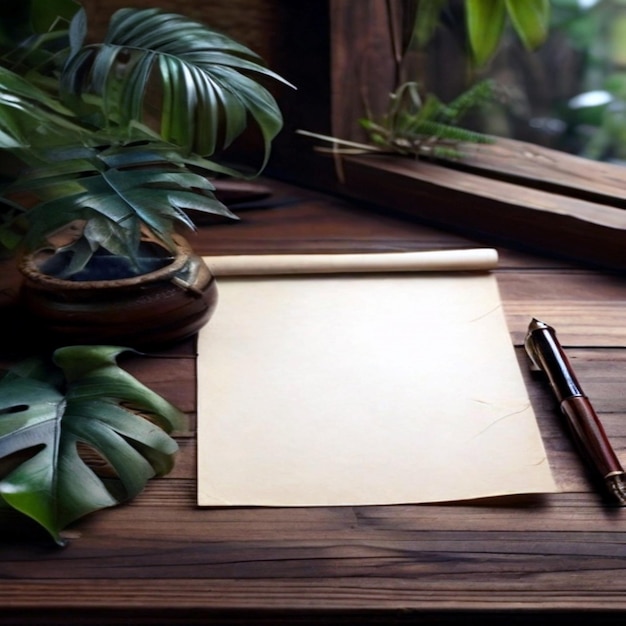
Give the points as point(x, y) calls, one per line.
point(546, 354)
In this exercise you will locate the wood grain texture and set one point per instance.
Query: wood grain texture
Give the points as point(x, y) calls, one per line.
point(528, 214)
point(162, 560)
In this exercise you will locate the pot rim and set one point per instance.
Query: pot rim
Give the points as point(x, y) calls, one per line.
point(28, 267)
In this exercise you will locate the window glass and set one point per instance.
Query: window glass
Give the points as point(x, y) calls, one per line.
point(569, 94)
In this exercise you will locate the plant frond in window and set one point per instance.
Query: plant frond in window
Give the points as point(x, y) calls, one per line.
point(416, 126)
point(427, 127)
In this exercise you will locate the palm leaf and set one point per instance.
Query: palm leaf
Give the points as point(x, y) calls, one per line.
point(30, 117)
point(118, 192)
point(34, 34)
point(205, 80)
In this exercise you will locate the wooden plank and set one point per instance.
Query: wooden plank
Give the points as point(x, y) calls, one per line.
point(547, 169)
point(492, 211)
point(524, 590)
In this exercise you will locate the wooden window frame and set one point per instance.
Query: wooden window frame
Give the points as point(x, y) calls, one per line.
point(510, 192)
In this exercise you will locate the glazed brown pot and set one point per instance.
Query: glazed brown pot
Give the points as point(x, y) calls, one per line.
point(155, 309)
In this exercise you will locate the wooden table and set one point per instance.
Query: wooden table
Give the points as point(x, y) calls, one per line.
point(160, 559)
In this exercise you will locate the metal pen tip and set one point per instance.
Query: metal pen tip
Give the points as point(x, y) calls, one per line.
point(537, 324)
point(617, 486)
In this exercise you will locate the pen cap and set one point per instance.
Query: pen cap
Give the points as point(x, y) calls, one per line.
point(546, 354)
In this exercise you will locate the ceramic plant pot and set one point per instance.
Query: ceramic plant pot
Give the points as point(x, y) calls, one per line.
point(157, 308)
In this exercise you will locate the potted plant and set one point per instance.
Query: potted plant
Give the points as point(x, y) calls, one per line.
point(114, 143)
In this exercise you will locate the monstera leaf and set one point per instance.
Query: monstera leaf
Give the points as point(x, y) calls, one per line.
point(79, 434)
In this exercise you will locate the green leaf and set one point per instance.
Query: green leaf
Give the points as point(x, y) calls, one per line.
point(28, 115)
point(485, 25)
point(46, 14)
point(34, 34)
point(118, 191)
point(530, 19)
point(50, 414)
point(427, 19)
point(426, 126)
point(207, 87)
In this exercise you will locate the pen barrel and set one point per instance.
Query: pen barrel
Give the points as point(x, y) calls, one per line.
point(553, 361)
point(591, 435)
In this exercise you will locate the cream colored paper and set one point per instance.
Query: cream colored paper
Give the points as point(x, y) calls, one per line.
point(361, 389)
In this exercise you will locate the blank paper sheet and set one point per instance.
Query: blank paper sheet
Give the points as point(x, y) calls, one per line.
point(357, 388)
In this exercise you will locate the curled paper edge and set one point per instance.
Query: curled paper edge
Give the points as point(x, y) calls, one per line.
point(472, 259)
